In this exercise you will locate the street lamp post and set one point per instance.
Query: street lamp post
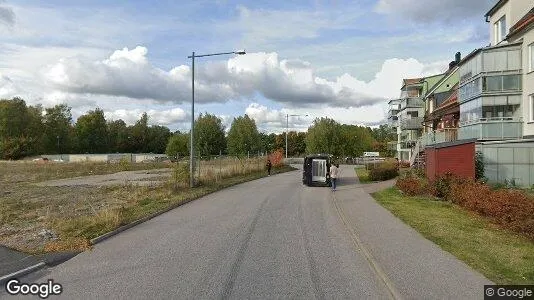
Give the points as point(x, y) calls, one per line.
point(287, 125)
point(191, 146)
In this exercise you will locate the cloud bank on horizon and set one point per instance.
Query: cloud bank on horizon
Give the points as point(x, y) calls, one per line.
point(305, 60)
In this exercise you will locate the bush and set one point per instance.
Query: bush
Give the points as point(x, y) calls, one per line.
point(404, 164)
point(180, 176)
point(413, 186)
point(384, 171)
point(125, 165)
point(510, 208)
point(276, 158)
point(442, 185)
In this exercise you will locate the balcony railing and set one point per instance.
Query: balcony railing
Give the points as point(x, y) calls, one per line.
point(413, 123)
point(412, 102)
point(408, 144)
point(440, 136)
point(505, 128)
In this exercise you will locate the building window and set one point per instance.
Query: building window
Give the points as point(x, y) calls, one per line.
point(531, 57)
point(499, 29)
point(501, 83)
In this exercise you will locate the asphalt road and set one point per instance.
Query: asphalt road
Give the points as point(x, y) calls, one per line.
point(269, 238)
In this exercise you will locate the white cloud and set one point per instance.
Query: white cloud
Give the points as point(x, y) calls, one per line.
point(273, 120)
point(129, 73)
point(72, 100)
point(155, 117)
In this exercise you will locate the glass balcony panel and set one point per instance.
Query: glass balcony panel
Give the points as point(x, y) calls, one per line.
point(493, 129)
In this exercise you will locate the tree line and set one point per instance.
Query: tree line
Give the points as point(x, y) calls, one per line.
point(33, 130)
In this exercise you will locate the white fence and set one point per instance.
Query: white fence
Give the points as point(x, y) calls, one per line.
point(111, 157)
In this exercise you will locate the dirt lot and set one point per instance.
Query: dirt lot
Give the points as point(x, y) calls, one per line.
point(136, 178)
point(48, 206)
point(35, 196)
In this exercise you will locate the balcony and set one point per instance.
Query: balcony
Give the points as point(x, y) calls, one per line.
point(492, 129)
point(407, 144)
point(393, 113)
point(412, 102)
point(440, 136)
point(393, 123)
point(411, 124)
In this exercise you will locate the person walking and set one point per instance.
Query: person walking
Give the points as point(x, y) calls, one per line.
point(269, 166)
point(334, 171)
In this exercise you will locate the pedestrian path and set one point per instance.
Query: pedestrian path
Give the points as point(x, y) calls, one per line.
point(416, 267)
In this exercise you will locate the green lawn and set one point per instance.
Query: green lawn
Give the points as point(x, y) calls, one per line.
point(363, 174)
point(502, 256)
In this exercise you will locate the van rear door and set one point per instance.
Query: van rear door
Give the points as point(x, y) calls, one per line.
point(319, 170)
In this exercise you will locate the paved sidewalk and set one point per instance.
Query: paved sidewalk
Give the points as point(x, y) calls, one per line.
point(416, 267)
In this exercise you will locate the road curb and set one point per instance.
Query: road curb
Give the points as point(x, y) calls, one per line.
point(22, 272)
point(106, 236)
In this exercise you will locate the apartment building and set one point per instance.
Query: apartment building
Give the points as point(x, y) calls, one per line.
point(406, 114)
point(496, 91)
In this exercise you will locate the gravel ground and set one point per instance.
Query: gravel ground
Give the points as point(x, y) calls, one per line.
point(121, 178)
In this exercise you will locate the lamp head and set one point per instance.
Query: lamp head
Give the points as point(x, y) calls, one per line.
point(240, 52)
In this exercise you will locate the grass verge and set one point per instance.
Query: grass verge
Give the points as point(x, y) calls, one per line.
point(502, 256)
point(363, 175)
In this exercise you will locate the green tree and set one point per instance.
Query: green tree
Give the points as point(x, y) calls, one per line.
point(158, 137)
point(355, 140)
point(92, 132)
point(178, 145)
point(268, 142)
point(296, 143)
point(384, 134)
point(209, 135)
point(243, 136)
point(118, 134)
point(139, 135)
point(324, 137)
point(57, 128)
point(20, 129)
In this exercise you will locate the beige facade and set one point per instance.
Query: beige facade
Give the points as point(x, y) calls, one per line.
point(512, 11)
point(528, 81)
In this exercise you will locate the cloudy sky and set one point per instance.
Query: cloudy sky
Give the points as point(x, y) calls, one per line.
point(341, 59)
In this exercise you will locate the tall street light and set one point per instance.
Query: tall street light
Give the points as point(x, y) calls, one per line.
point(191, 147)
point(287, 125)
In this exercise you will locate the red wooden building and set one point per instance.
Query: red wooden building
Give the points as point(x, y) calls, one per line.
point(456, 157)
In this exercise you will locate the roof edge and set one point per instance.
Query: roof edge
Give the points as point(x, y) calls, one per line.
point(495, 8)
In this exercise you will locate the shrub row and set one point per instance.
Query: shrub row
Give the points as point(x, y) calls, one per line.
point(384, 171)
point(510, 208)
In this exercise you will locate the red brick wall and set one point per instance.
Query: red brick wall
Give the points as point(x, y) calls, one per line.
point(458, 160)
